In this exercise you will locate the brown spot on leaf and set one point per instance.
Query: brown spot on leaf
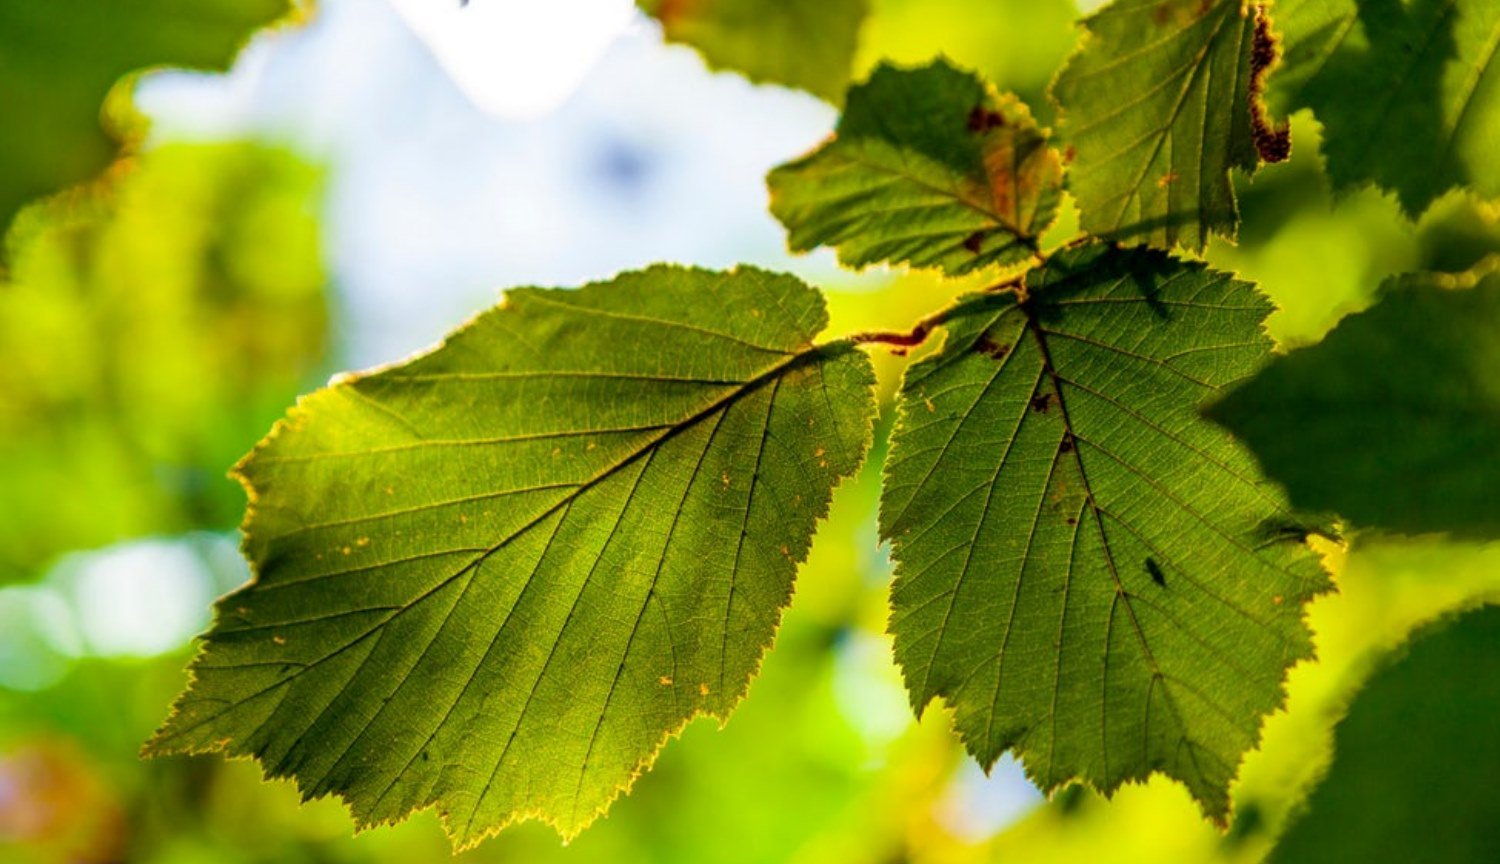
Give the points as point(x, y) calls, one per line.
point(992, 349)
point(983, 119)
point(974, 242)
point(1041, 402)
point(1273, 142)
point(1067, 444)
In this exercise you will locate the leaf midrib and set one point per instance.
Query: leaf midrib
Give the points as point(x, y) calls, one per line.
point(746, 388)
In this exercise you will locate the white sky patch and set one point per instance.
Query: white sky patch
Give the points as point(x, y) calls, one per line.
point(140, 598)
point(517, 58)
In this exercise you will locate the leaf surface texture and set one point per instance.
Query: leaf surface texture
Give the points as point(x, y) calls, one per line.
point(1157, 107)
point(1087, 572)
point(497, 577)
point(929, 167)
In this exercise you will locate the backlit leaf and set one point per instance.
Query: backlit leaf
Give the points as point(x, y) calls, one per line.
point(1408, 91)
point(807, 44)
point(1158, 106)
point(496, 578)
point(1393, 420)
point(929, 167)
point(1415, 760)
point(59, 59)
point(1088, 573)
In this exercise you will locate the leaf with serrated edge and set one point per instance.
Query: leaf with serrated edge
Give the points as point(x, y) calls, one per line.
point(808, 44)
point(497, 577)
point(1088, 572)
point(1393, 420)
point(62, 57)
point(1157, 108)
point(929, 167)
point(1408, 93)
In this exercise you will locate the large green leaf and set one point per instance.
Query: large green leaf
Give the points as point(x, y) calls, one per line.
point(1393, 420)
point(1415, 759)
point(1158, 106)
point(59, 59)
point(1408, 91)
point(800, 43)
point(147, 341)
point(930, 167)
point(1088, 572)
point(497, 577)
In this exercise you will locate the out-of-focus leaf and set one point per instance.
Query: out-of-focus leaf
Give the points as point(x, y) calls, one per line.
point(1157, 106)
point(1408, 91)
point(1415, 759)
point(807, 44)
point(1088, 572)
point(144, 339)
point(928, 167)
point(497, 578)
point(1016, 44)
point(1393, 420)
point(60, 58)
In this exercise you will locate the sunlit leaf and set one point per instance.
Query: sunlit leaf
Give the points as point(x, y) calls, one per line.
point(1408, 91)
point(1158, 105)
point(1088, 572)
point(59, 59)
point(929, 167)
point(497, 577)
point(147, 341)
point(1393, 420)
point(807, 44)
point(1415, 760)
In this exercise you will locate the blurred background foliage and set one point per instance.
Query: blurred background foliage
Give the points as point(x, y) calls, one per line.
point(151, 337)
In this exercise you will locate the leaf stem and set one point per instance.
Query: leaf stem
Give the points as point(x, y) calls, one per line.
point(901, 340)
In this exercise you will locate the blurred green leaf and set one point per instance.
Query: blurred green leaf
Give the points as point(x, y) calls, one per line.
point(59, 59)
point(1393, 420)
point(498, 577)
point(1415, 760)
point(807, 44)
point(1404, 89)
point(1157, 106)
point(1089, 573)
point(1016, 44)
point(929, 167)
point(144, 338)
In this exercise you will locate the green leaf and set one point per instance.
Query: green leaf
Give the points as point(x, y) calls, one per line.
point(1408, 91)
point(807, 44)
point(148, 338)
point(59, 59)
point(1393, 420)
point(496, 578)
point(929, 167)
point(1089, 573)
point(1158, 106)
point(1415, 759)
